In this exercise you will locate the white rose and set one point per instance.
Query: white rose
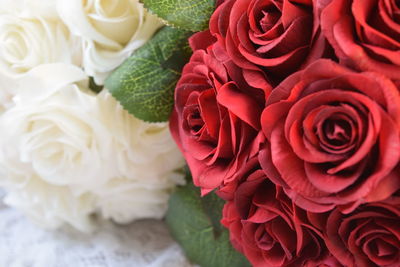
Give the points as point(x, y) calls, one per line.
point(66, 153)
point(28, 40)
point(51, 206)
point(50, 131)
point(124, 200)
point(146, 160)
point(30, 8)
point(110, 30)
point(51, 150)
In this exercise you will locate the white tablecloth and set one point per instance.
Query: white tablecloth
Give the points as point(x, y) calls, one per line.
point(142, 243)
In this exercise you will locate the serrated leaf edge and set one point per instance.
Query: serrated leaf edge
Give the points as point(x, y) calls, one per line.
point(167, 23)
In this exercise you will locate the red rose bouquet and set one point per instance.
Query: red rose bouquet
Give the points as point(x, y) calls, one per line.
point(288, 115)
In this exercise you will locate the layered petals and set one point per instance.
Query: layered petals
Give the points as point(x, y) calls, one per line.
point(216, 117)
point(364, 33)
point(279, 36)
point(368, 237)
point(268, 228)
point(333, 137)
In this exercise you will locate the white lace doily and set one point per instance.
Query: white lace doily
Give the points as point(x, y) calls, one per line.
point(142, 243)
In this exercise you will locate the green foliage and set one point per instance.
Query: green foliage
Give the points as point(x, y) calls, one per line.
point(195, 223)
point(191, 15)
point(144, 84)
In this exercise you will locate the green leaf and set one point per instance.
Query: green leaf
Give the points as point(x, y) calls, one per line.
point(191, 15)
point(144, 84)
point(195, 223)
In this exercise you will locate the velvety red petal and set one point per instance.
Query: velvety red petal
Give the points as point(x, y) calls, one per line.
point(201, 40)
point(242, 105)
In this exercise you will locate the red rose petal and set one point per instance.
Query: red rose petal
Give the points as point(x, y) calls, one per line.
point(360, 11)
point(201, 40)
point(332, 183)
point(242, 105)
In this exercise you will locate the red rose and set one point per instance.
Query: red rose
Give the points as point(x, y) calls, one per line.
point(333, 137)
point(278, 35)
point(368, 237)
point(364, 33)
point(267, 228)
point(249, 170)
point(217, 114)
point(328, 261)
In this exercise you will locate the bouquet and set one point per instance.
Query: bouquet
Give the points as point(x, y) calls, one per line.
point(287, 113)
point(68, 150)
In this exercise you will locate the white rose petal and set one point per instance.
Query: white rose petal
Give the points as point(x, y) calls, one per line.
point(28, 41)
point(126, 200)
point(6, 89)
point(30, 8)
point(51, 206)
point(66, 153)
point(55, 135)
point(96, 22)
point(145, 162)
point(52, 150)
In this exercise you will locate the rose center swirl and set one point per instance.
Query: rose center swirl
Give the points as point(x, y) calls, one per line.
point(269, 19)
point(194, 120)
point(337, 132)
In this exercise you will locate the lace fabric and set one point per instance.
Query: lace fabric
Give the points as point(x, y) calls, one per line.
point(142, 243)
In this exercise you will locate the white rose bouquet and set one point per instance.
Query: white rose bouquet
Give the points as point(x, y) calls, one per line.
point(67, 153)
point(68, 150)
